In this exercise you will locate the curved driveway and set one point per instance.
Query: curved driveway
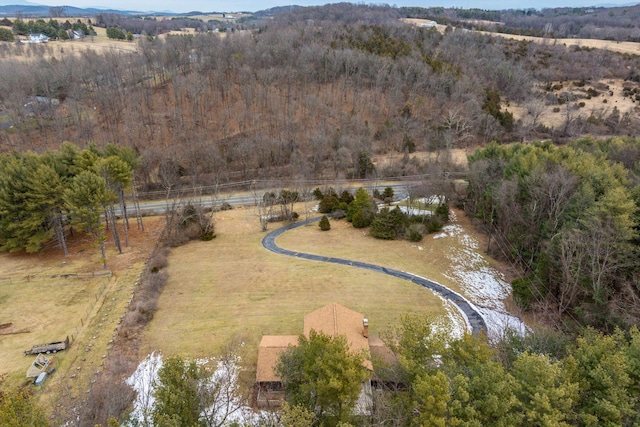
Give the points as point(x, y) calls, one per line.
point(474, 319)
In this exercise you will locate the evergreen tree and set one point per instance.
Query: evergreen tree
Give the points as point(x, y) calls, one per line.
point(324, 223)
point(323, 376)
point(176, 394)
point(85, 198)
point(18, 409)
point(361, 210)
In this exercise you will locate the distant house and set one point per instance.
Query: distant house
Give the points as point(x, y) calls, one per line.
point(77, 34)
point(428, 24)
point(41, 104)
point(333, 320)
point(38, 38)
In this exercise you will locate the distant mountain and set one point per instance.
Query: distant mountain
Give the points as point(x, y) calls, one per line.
point(27, 9)
point(275, 10)
point(17, 2)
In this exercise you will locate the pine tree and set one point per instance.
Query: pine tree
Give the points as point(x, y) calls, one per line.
point(324, 224)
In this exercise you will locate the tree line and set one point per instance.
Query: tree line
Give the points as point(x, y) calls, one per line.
point(608, 23)
point(427, 379)
point(51, 28)
point(568, 218)
point(361, 210)
point(44, 197)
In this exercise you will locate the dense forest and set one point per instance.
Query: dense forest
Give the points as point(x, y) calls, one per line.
point(306, 94)
point(321, 93)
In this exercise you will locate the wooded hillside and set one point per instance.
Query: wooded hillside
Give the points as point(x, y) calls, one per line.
point(308, 93)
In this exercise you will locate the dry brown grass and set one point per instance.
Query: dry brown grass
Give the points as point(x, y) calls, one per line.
point(232, 289)
point(614, 46)
point(47, 307)
point(598, 106)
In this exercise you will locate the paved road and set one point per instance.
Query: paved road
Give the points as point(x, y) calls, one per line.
point(150, 207)
point(474, 319)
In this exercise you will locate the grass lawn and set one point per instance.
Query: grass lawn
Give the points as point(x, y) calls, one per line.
point(45, 297)
point(231, 289)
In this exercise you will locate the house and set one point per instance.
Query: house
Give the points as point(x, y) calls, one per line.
point(77, 34)
point(38, 38)
point(333, 320)
point(428, 24)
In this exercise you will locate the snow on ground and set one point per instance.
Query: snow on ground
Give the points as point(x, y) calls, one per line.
point(481, 284)
point(456, 324)
point(414, 211)
point(143, 382)
point(222, 385)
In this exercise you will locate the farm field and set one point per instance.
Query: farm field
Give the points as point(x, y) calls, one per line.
point(231, 290)
point(615, 46)
point(46, 297)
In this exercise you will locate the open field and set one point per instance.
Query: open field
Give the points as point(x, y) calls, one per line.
point(46, 297)
point(232, 290)
point(614, 46)
point(599, 106)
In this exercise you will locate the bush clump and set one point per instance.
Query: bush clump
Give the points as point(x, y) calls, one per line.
point(324, 224)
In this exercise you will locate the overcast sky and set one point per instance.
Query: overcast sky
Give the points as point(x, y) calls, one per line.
point(252, 6)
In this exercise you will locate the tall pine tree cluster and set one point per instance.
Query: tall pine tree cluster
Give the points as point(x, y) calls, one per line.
point(43, 195)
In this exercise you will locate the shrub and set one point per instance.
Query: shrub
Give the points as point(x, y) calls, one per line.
point(115, 33)
point(158, 262)
point(207, 235)
point(346, 197)
point(414, 232)
point(328, 204)
point(360, 220)
point(592, 92)
point(433, 226)
point(6, 35)
point(387, 195)
point(442, 212)
point(324, 224)
point(388, 224)
point(523, 292)
point(317, 193)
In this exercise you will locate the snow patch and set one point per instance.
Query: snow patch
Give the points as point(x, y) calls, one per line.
point(143, 381)
point(414, 211)
point(226, 409)
point(483, 285)
point(455, 324)
point(449, 231)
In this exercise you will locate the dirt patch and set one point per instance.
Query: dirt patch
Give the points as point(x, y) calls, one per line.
point(583, 100)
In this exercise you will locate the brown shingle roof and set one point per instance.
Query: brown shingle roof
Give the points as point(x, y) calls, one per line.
point(268, 353)
point(335, 319)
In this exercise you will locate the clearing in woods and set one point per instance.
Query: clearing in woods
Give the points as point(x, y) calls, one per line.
point(231, 290)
